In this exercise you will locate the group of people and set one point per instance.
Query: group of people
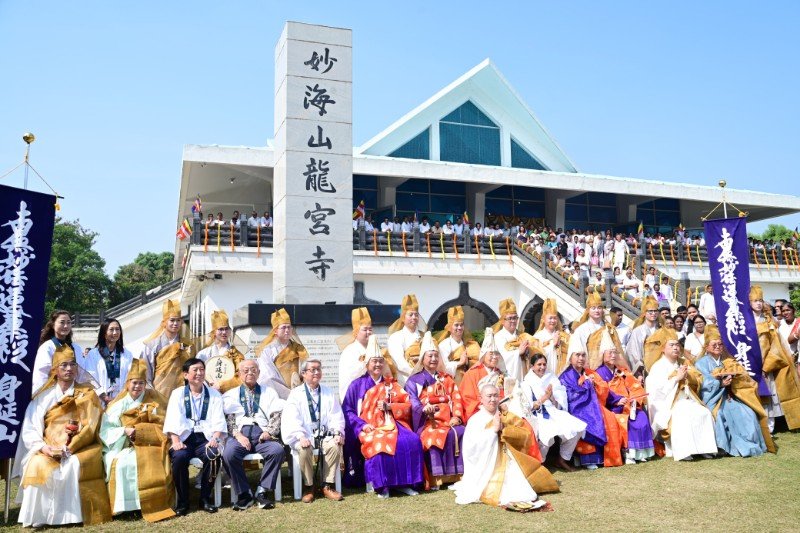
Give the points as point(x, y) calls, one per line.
point(236, 220)
point(109, 432)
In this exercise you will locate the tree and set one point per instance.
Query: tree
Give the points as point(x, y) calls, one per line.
point(76, 280)
point(148, 270)
point(776, 232)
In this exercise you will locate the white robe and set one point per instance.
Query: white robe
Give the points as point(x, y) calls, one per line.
point(585, 330)
point(694, 345)
point(446, 347)
point(269, 375)
point(351, 365)
point(545, 339)
point(296, 421)
point(479, 450)
point(212, 351)
point(634, 348)
point(511, 358)
point(560, 424)
point(180, 423)
point(398, 342)
point(692, 429)
point(58, 502)
point(268, 403)
point(150, 351)
point(112, 389)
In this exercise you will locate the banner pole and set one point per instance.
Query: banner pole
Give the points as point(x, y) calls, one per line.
point(8, 491)
point(28, 137)
point(722, 184)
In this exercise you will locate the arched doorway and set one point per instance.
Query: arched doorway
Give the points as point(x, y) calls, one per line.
point(477, 315)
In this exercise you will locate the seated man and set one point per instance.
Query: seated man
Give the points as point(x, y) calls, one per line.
point(740, 421)
point(59, 454)
point(679, 418)
point(313, 418)
point(135, 449)
point(495, 471)
point(195, 424)
point(437, 415)
point(254, 423)
point(378, 413)
point(280, 355)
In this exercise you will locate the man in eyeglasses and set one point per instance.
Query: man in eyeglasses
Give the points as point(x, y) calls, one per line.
point(254, 422)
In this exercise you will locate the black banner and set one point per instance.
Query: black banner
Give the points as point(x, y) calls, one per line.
point(26, 238)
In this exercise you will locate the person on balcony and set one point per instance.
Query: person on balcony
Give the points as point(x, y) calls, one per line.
point(254, 221)
point(266, 220)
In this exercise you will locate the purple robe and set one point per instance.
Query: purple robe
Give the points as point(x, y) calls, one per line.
point(403, 469)
point(584, 405)
point(439, 462)
point(640, 434)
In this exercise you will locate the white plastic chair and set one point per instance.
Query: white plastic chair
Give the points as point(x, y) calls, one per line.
point(297, 476)
point(217, 483)
point(278, 487)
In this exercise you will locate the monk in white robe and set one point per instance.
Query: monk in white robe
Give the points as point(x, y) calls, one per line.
point(553, 340)
point(677, 415)
point(280, 355)
point(492, 472)
point(353, 358)
point(59, 455)
point(405, 336)
point(514, 344)
point(219, 345)
point(456, 347)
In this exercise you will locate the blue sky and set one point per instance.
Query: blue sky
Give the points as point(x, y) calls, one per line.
point(680, 91)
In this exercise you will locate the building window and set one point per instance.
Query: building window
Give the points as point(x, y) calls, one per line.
point(521, 158)
point(438, 200)
point(417, 148)
point(467, 135)
point(593, 210)
point(662, 215)
point(365, 188)
point(514, 201)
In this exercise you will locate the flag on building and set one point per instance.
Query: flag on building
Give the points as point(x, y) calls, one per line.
point(184, 230)
point(680, 227)
point(795, 234)
point(640, 231)
point(197, 206)
point(360, 211)
point(466, 218)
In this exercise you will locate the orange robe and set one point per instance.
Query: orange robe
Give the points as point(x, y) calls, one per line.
point(615, 425)
point(384, 438)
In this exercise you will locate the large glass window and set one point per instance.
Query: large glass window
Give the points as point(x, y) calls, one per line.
point(467, 135)
point(521, 158)
point(365, 188)
point(592, 210)
point(514, 201)
point(661, 215)
point(417, 148)
point(438, 200)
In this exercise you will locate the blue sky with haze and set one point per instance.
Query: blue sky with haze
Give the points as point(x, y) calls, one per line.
point(677, 91)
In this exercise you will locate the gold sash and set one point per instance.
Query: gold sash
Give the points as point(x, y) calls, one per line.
point(533, 348)
point(288, 363)
point(168, 374)
point(156, 489)
point(516, 439)
point(412, 354)
point(83, 406)
point(694, 379)
point(745, 389)
point(473, 354)
point(594, 357)
point(779, 362)
point(563, 349)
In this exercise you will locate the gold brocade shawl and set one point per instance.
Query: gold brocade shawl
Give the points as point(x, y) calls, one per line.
point(533, 348)
point(237, 357)
point(288, 363)
point(593, 354)
point(412, 353)
point(83, 406)
point(168, 374)
point(745, 389)
point(154, 472)
point(563, 349)
point(779, 362)
point(473, 350)
point(515, 438)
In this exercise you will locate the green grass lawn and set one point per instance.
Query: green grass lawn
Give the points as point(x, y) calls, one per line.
point(731, 494)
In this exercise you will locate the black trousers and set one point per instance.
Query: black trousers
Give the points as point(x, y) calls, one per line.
point(195, 448)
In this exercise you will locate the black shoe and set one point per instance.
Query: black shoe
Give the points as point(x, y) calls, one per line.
point(209, 508)
point(181, 511)
point(243, 506)
point(264, 501)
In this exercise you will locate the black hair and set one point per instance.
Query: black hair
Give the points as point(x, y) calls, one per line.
point(191, 362)
point(101, 335)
